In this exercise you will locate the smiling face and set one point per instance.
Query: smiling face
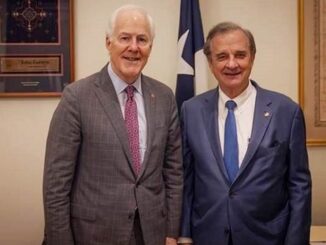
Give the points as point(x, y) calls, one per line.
point(130, 45)
point(231, 62)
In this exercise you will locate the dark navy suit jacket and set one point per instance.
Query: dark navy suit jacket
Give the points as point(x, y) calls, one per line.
point(269, 203)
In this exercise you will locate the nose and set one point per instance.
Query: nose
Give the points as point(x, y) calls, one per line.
point(232, 63)
point(133, 46)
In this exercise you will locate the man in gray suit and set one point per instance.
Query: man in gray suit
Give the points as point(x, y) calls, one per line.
point(113, 171)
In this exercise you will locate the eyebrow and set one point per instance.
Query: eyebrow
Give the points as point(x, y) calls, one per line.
point(131, 34)
point(226, 53)
point(241, 52)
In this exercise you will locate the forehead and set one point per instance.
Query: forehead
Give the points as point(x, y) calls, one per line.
point(235, 39)
point(132, 21)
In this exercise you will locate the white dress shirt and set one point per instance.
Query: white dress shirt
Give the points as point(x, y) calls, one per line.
point(120, 86)
point(244, 116)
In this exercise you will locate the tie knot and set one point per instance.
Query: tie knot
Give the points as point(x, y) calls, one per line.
point(130, 91)
point(230, 104)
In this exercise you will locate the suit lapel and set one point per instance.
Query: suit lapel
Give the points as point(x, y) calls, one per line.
point(107, 96)
point(262, 117)
point(210, 116)
point(150, 111)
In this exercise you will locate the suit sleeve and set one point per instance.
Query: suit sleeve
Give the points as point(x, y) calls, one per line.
point(173, 173)
point(299, 184)
point(188, 178)
point(60, 161)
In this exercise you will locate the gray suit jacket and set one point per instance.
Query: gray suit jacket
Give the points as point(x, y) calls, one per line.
point(90, 189)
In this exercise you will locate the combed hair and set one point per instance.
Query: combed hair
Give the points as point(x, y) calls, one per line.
point(129, 7)
point(223, 28)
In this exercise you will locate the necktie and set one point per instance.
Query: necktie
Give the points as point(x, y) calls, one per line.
point(131, 121)
point(231, 159)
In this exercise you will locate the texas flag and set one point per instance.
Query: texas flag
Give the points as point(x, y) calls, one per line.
point(191, 77)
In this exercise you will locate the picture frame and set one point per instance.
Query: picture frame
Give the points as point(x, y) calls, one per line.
point(312, 68)
point(36, 47)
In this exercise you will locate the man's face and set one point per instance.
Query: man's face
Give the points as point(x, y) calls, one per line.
point(231, 61)
point(130, 45)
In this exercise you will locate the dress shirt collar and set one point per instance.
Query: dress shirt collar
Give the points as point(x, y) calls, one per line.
point(240, 99)
point(120, 85)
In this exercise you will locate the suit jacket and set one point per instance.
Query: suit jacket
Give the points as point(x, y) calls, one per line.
point(269, 203)
point(90, 189)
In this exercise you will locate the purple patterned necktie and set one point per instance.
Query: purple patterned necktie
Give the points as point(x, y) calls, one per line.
point(131, 120)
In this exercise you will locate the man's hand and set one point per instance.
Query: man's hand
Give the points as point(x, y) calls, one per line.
point(185, 241)
point(170, 241)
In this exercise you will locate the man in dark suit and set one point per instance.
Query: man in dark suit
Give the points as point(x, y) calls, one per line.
point(246, 172)
point(113, 168)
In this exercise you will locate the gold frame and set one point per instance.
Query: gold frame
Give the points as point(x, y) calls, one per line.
point(316, 136)
point(60, 54)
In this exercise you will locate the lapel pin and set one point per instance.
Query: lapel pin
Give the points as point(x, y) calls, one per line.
point(152, 96)
point(266, 114)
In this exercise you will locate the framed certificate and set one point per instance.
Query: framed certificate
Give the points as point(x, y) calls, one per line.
point(36, 47)
point(312, 68)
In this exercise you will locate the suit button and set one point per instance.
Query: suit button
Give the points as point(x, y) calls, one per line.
point(130, 216)
point(232, 194)
point(226, 231)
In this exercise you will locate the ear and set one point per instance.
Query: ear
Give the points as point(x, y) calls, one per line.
point(107, 42)
point(253, 58)
point(210, 63)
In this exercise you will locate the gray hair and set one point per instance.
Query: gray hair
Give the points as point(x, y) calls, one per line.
point(129, 7)
point(223, 28)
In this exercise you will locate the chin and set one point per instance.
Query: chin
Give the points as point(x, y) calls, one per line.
point(233, 82)
point(131, 70)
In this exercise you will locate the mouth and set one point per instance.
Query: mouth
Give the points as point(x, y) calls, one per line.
point(132, 59)
point(232, 74)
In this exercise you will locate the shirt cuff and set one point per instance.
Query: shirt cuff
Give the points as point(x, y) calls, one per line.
point(184, 240)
